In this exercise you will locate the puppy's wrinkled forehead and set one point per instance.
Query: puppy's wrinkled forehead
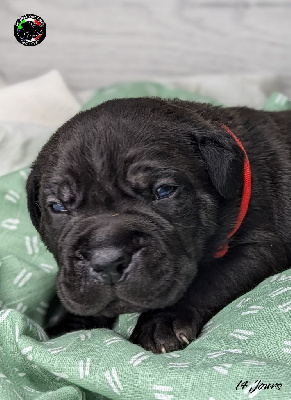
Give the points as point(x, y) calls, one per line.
point(136, 140)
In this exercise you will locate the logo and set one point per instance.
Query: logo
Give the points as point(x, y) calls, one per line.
point(30, 30)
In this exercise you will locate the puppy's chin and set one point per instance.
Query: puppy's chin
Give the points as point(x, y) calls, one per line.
point(89, 298)
point(112, 309)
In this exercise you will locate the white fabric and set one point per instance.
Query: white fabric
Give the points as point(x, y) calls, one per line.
point(30, 111)
point(45, 100)
point(20, 144)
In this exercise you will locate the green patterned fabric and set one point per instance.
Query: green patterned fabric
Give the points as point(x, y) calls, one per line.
point(245, 345)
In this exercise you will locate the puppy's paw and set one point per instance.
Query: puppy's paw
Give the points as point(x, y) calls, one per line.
point(164, 331)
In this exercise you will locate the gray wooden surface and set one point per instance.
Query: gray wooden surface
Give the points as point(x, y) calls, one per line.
point(96, 42)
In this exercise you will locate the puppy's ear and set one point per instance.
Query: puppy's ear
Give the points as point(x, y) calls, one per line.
point(224, 161)
point(32, 193)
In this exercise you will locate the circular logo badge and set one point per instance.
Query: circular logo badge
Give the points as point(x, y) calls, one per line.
point(30, 30)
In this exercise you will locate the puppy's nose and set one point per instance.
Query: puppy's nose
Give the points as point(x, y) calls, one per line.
point(110, 263)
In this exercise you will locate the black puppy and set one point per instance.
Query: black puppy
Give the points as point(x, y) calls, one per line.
point(142, 203)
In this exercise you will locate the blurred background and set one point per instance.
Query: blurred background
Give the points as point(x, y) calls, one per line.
point(235, 52)
point(94, 43)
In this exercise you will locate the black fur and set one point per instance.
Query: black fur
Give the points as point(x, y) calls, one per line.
point(104, 166)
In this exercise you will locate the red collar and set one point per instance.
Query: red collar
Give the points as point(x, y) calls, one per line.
point(246, 194)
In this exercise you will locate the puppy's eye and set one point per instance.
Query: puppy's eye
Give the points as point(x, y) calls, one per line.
point(58, 208)
point(164, 191)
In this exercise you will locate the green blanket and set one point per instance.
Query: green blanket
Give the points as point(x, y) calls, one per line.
point(241, 353)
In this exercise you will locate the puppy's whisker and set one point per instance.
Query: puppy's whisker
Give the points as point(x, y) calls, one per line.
point(177, 280)
point(213, 223)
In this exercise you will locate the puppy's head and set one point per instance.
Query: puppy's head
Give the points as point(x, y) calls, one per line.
point(127, 197)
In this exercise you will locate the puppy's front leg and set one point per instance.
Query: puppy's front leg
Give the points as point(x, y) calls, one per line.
point(215, 286)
